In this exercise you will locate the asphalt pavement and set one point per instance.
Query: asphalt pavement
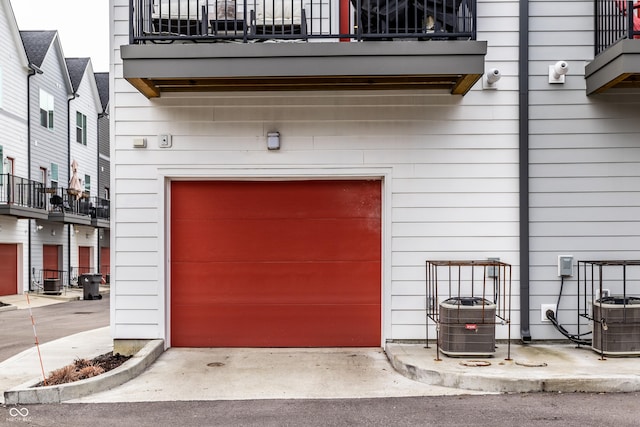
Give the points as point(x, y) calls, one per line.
point(53, 320)
point(522, 410)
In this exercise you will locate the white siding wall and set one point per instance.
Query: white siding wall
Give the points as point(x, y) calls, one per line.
point(585, 161)
point(87, 157)
point(50, 146)
point(13, 127)
point(449, 163)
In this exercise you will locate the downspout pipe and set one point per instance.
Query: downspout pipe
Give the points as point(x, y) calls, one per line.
point(33, 70)
point(74, 96)
point(523, 116)
point(98, 175)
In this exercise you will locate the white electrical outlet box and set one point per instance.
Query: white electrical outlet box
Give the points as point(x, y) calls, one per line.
point(164, 141)
point(139, 142)
point(565, 265)
point(543, 311)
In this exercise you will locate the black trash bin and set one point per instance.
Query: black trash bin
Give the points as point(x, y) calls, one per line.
point(91, 286)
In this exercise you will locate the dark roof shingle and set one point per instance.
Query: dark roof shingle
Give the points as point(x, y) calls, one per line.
point(76, 67)
point(36, 44)
point(102, 81)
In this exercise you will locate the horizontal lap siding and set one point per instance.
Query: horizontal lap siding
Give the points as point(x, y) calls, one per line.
point(452, 167)
point(85, 155)
point(585, 161)
point(13, 127)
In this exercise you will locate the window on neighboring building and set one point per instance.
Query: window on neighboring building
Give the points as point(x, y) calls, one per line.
point(81, 128)
point(54, 175)
point(106, 193)
point(87, 184)
point(46, 109)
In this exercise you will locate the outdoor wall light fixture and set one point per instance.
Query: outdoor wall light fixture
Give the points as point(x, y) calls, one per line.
point(490, 79)
point(557, 71)
point(139, 142)
point(273, 140)
point(53, 232)
point(39, 227)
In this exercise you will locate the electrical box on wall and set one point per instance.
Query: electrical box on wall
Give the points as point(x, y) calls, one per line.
point(139, 142)
point(164, 141)
point(492, 271)
point(565, 265)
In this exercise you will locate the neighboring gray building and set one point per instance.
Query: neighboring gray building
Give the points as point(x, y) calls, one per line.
point(104, 170)
point(51, 226)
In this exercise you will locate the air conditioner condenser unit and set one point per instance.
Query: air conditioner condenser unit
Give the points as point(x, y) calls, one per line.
point(467, 327)
point(616, 326)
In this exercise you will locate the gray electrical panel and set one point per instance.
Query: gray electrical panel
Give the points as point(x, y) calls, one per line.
point(565, 265)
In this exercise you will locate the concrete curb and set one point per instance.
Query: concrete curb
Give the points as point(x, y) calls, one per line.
point(28, 394)
point(511, 383)
point(8, 308)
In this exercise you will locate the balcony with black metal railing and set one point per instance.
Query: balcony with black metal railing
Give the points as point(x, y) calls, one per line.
point(100, 210)
point(617, 47)
point(227, 45)
point(22, 197)
point(68, 206)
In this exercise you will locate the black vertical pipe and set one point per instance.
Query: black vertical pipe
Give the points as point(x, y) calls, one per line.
point(523, 115)
point(98, 257)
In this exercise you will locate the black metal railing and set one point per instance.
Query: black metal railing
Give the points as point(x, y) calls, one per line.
point(615, 20)
point(18, 191)
point(165, 21)
point(100, 208)
point(68, 201)
point(49, 281)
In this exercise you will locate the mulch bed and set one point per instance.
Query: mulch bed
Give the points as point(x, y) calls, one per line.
point(109, 361)
point(82, 369)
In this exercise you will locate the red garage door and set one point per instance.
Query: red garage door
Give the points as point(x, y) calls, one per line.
point(84, 260)
point(8, 269)
point(105, 263)
point(275, 264)
point(50, 262)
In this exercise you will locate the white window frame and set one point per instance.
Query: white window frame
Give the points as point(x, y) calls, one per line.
point(54, 175)
point(47, 104)
point(87, 184)
point(81, 128)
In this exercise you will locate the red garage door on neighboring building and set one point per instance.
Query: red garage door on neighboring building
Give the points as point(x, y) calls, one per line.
point(51, 262)
point(275, 263)
point(8, 269)
point(84, 260)
point(105, 263)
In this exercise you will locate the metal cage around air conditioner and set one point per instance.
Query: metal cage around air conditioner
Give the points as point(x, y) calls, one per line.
point(609, 297)
point(465, 301)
